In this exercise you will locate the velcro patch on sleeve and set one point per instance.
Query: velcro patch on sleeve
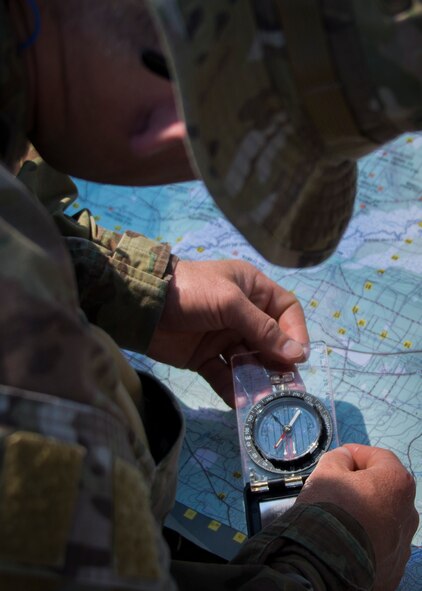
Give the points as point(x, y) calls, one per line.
point(39, 482)
point(135, 540)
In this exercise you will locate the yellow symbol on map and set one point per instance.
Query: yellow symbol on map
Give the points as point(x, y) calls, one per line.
point(395, 257)
point(314, 304)
point(159, 238)
point(239, 537)
point(381, 271)
point(329, 350)
point(409, 241)
point(362, 322)
point(214, 525)
point(409, 140)
point(117, 228)
point(355, 309)
point(337, 314)
point(179, 239)
point(384, 334)
point(368, 285)
point(200, 249)
point(237, 475)
point(407, 344)
point(342, 331)
point(76, 205)
point(420, 224)
point(190, 514)
point(221, 496)
point(97, 218)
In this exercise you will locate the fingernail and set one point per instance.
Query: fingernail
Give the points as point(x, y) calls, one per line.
point(292, 349)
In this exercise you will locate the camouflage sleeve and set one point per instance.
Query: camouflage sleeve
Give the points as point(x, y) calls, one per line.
point(122, 282)
point(318, 547)
point(122, 278)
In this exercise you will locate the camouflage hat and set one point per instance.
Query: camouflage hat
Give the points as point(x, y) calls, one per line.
point(280, 98)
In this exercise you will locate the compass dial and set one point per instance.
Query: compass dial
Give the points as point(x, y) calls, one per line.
point(288, 431)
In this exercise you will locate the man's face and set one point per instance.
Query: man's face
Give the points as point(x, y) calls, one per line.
point(100, 114)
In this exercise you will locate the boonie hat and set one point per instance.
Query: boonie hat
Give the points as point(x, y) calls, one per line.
point(280, 98)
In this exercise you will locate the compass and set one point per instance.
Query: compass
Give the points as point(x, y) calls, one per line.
point(287, 432)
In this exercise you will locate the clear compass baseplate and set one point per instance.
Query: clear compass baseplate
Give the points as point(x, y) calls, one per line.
point(286, 418)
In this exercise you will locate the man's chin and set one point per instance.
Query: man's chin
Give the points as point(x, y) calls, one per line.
point(166, 166)
point(171, 165)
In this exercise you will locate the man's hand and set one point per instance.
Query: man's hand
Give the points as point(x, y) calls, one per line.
point(216, 309)
point(374, 487)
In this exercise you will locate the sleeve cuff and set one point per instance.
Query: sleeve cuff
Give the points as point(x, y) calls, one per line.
point(123, 282)
point(321, 542)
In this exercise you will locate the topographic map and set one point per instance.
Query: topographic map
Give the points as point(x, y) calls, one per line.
point(365, 302)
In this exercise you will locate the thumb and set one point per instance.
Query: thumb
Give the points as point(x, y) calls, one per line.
point(340, 459)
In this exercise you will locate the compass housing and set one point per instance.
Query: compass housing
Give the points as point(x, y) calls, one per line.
point(287, 432)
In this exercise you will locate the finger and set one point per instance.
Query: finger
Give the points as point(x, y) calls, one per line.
point(366, 457)
point(384, 464)
point(285, 308)
point(233, 350)
point(339, 459)
point(263, 333)
point(292, 322)
point(218, 374)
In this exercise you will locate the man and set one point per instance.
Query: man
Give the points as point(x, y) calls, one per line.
point(88, 469)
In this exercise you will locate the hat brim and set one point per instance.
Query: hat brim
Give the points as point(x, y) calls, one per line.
point(254, 146)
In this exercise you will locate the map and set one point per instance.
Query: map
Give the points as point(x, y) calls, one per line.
point(365, 303)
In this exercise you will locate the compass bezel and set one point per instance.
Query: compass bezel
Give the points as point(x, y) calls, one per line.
point(303, 463)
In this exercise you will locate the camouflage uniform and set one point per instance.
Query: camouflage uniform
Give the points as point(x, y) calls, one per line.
point(85, 479)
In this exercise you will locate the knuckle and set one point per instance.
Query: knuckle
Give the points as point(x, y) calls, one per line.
point(247, 265)
point(229, 305)
point(244, 267)
point(410, 485)
point(292, 300)
point(228, 294)
point(270, 328)
point(405, 484)
point(388, 454)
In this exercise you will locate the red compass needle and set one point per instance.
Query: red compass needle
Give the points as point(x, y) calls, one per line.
point(280, 440)
point(287, 428)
